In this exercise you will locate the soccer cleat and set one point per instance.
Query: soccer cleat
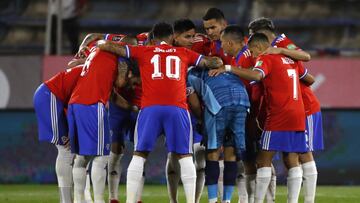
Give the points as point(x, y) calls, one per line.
point(114, 201)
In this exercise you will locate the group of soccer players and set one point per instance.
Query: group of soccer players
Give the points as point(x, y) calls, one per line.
point(219, 97)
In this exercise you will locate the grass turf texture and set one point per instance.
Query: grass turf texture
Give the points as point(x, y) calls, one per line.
point(158, 194)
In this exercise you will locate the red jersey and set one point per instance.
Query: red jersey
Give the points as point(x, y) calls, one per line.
point(96, 79)
point(163, 70)
point(284, 42)
point(142, 38)
point(201, 44)
point(311, 103)
point(63, 83)
point(284, 107)
point(216, 50)
point(131, 95)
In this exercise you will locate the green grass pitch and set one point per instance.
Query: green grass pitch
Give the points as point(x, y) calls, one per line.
point(158, 194)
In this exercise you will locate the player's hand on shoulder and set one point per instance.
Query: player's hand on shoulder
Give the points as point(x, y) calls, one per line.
point(216, 72)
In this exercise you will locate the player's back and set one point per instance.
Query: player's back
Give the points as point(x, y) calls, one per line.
point(163, 71)
point(285, 109)
point(63, 83)
point(96, 78)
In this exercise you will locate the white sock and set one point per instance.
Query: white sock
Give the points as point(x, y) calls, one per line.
point(172, 176)
point(241, 183)
point(114, 174)
point(250, 187)
point(133, 177)
point(87, 193)
point(294, 180)
point(221, 179)
point(63, 168)
point(263, 176)
point(270, 193)
point(98, 177)
point(140, 189)
point(188, 178)
point(309, 181)
point(79, 177)
point(200, 162)
point(212, 200)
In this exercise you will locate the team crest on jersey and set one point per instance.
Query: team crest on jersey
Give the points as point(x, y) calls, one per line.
point(258, 63)
point(291, 46)
point(287, 60)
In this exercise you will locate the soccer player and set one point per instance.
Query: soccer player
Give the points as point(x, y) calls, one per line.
point(88, 121)
point(163, 105)
point(50, 101)
point(184, 34)
point(282, 44)
point(232, 41)
point(284, 130)
point(225, 106)
point(214, 22)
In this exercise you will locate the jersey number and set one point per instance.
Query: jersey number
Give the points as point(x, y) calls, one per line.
point(88, 60)
point(172, 67)
point(292, 74)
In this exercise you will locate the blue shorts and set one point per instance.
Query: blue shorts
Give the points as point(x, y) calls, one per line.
point(172, 121)
point(196, 135)
point(89, 129)
point(226, 128)
point(284, 141)
point(50, 114)
point(122, 122)
point(314, 132)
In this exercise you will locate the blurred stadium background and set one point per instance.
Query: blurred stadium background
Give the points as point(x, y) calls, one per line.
point(328, 29)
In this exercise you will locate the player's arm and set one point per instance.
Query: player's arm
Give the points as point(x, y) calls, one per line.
point(307, 79)
point(123, 71)
point(195, 105)
point(210, 62)
point(247, 74)
point(90, 38)
point(296, 54)
point(121, 102)
point(112, 47)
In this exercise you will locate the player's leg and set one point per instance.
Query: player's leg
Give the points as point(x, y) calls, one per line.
point(220, 183)
point(92, 125)
point(117, 123)
point(241, 183)
point(199, 155)
point(172, 176)
point(179, 140)
point(79, 177)
point(250, 177)
point(114, 170)
point(294, 178)
point(270, 194)
point(234, 144)
point(315, 142)
point(140, 189)
point(263, 174)
point(63, 169)
point(147, 129)
point(293, 142)
point(53, 128)
point(87, 193)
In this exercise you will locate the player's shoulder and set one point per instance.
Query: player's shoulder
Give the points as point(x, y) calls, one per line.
point(201, 38)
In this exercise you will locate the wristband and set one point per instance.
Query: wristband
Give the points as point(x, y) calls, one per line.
point(228, 68)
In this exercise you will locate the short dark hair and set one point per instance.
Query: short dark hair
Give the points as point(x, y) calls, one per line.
point(258, 38)
point(261, 24)
point(214, 13)
point(162, 30)
point(235, 32)
point(183, 25)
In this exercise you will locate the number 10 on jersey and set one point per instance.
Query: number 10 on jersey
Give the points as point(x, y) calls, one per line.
point(172, 64)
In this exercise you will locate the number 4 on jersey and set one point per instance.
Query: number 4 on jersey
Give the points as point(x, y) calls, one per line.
point(172, 67)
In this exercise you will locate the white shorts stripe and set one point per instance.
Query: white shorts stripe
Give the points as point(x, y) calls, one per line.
point(136, 131)
point(54, 121)
point(191, 139)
